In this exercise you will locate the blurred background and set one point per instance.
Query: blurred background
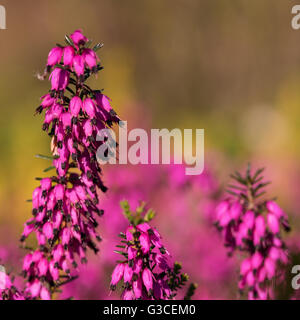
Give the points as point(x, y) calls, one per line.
point(230, 67)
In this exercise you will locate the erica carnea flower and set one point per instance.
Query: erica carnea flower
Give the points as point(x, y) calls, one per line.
point(65, 206)
point(8, 290)
point(145, 268)
point(252, 225)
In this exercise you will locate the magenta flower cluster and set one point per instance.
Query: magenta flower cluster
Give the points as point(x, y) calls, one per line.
point(145, 270)
point(8, 291)
point(253, 227)
point(65, 206)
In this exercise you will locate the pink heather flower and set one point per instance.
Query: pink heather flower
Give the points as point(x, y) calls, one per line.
point(45, 294)
point(270, 268)
point(145, 242)
point(75, 106)
point(54, 56)
point(27, 262)
point(128, 273)
point(48, 230)
point(129, 233)
point(222, 209)
point(235, 211)
point(257, 260)
point(78, 38)
point(34, 288)
point(59, 79)
point(273, 223)
point(128, 295)
point(147, 279)
point(103, 102)
point(137, 287)
point(47, 101)
point(68, 53)
point(89, 108)
point(274, 208)
point(132, 252)
point(146, 267)
point(9, 291)
point(117, 275)
point(246, 266)
point(46, 184)
point(90, 58)
point(259, 229)
point(43, 267)
point(78, 64)
point(255, 231)
point(65, 207)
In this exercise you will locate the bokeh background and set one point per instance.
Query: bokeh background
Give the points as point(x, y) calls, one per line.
point(230, 67)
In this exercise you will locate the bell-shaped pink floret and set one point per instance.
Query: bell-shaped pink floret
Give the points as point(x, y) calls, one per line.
point(54, 56)
point(257, 260)
point(78, 64)
point(128, 273)
point(78, 38)
point(147, 279)
point(273, 223)
point(145, 242)
point(75, 106)
point(68, 56)
point(117, 274)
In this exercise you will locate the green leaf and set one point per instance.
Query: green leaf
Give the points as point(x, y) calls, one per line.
point(141, 208)
point(149, 215)
point(98, 46)
point(121, 252)
point(238, 178)
point(257, 173)
point(88, 44)
point(126, 210)
point(48, 169)
point(69, 40)
point(191, 291)
point(122, 235)
point(41, 156)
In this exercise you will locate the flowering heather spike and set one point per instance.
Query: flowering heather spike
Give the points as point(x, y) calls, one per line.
point(252, 226)
point(146, 270)
point(65, 206)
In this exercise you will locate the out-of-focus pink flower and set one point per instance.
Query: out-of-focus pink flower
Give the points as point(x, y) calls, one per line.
point(255, 231)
